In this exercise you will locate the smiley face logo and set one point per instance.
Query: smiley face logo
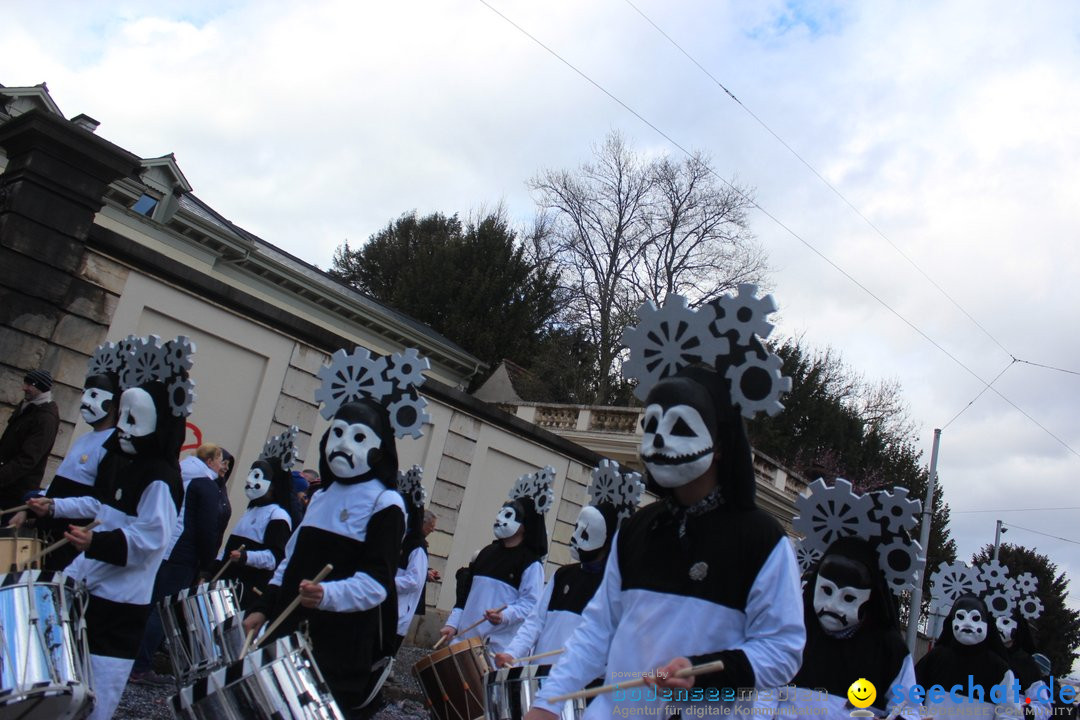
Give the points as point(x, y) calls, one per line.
point(862, 693)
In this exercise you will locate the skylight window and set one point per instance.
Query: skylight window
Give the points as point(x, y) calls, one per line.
point(145, 205)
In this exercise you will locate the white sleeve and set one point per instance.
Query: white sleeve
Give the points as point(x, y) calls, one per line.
point(775, 635)
point(412, 577)
point(83, 506)
point(279, 574)
point(261, 559)
point(359, 592)
point(525, 638)
point(152, 525)
point(1014, 708)
point(532, 582)
point(905, 679)
point(587, 649)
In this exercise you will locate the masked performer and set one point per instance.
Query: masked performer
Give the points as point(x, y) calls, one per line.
point(702, 575)
point(355, 523)
point(413, 568)
point(264, 528)
point(79, 470)
point(137, 507)
point(615, 496)
point(509, 572)
point(967, 661)
point(1020, 646)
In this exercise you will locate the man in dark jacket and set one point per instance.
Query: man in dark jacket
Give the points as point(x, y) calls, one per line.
point(25, 444)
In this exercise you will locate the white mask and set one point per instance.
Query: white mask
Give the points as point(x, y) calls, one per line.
point(257, 484)
point(837, 608)
point(137, 418)
point(506, 523)
point(590, 533)
point(348, 448)
point(676, 446)
point(93, 402)
point(1006, 627)
point(968, 627)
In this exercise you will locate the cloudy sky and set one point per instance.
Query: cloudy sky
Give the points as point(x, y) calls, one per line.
point(951, 126)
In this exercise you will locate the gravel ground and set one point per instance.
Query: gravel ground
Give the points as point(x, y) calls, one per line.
point(403, 695)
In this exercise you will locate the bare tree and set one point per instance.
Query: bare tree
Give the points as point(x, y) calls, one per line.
point(624, 228)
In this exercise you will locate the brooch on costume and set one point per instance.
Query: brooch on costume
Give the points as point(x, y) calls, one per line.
point(390, 381)
point(990, 581)
point(885, 519)
point(699, 570)
point(726, 334)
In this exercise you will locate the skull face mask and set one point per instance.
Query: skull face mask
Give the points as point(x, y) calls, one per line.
point(97, 399)
point(257, 484)
point(590, 533)
point(677, 443)
point(506, 522)
point(1006, 627)
point(138, 418)
point(969, 626)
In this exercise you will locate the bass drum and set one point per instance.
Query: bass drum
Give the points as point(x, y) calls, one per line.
point(510, 693)
point(17, 546)
point(452, 679)
point(44, 657)
point(276, 682)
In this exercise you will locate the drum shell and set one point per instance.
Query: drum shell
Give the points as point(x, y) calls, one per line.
point(44, 657)
point(509, 693)
point(203, 629)
point(276, 682)
point(452, 679)
point(16, 548)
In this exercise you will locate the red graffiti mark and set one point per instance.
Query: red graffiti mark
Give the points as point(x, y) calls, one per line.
point(195, 433)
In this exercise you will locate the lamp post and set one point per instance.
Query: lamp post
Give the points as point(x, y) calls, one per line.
point(998, 532)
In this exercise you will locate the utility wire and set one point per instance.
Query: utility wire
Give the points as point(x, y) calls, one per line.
point(979, 394)
point(1048, 367)
point(753, 203)
point(1038, 532)
point(820, 177)
point(1005, 510)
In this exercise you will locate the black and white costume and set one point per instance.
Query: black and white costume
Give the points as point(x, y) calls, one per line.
point(412, 569)
point(716, 580)
point(265, 527)
point(969, 653)
point(504, 573)
point(138, 506)
point(355, 522)
point(1020, 646)
point(851, 632)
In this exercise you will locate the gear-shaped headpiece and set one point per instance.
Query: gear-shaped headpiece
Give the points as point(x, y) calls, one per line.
point(138, 360)
point(675, 336)
point(390, 381)
point(611, 485)
point(989, 580)
point(281, 449)
point(827, 514)
point(538, 487)
point(410, 485)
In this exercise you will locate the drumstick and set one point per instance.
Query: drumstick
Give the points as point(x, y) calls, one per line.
point(59, 543)
point(703, 669)
point(549, 653)
point(257, 591)
point(291, 606)
point(478, 622)
point(226, 565)
point(20, 508)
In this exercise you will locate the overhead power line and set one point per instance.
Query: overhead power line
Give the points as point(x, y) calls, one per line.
point(1039, 532)
point(1011, 510)
point(753, 203)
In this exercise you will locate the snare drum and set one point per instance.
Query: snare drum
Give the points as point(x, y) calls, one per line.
point(44, 658)
point(16, 547)
point(203, 630)
point(510, 693)
point(276, 682)
point(452, 679)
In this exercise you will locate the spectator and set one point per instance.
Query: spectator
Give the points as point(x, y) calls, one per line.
point(432, 574)
point(225, 508)
point(27, 440)
point(313, 482)
point(299, 497)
